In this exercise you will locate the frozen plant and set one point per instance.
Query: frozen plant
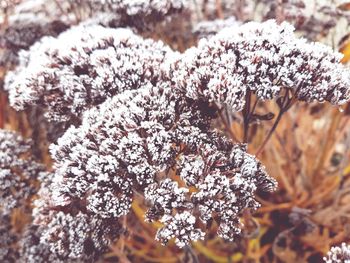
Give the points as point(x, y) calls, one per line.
point(181, 227)
point(81, 68)
point(132, 141)
point(206, 29)
point(265, 59)
point(141, 13)
point(77, 236)
point(27, 23)
point(18, 179)
point(18, 172)
point(338, 254)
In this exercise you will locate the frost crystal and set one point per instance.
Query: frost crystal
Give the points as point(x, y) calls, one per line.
point(83, 67)
point(17, 172)
point(131, 141)
point(78, 236)
point(340, 254)
point(263, 58)
point(181, 227)
point(18, 176)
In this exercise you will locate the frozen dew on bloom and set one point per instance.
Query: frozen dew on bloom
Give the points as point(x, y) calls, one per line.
point(130, 142)
point(81, 68)
point(338, 254)
point(262, 58)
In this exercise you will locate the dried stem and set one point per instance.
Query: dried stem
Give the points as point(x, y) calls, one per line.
point(286, 103)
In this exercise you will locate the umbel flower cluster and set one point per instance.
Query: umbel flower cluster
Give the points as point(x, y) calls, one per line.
point(82, 67)
point(264, 59)
point(18, 174)
point(54, 236)
point(132, 140)
point(338, 254)
point(142, 120)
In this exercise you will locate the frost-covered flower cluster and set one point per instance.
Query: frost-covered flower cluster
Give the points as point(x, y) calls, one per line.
point(265, 59)
point(338, 254)
point(131, 142)
point(142, 120)
point(83, 67)
point(141, 13)
point(206, 29)
point(18, 178)
point(78, 236)
point(18, 172)
point(313, 19)
point(54, 236)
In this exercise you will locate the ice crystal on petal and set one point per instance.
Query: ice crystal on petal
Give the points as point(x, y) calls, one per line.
point(78, 237)
point(263, 58)
point(81, 68)
point(181, 227)
point(338, 254)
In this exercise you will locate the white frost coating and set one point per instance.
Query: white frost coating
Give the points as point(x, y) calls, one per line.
point(263, 58)
point(338, 254)
point(206, 29)
point(131, 141)
point(81, 68)
point(181, 227)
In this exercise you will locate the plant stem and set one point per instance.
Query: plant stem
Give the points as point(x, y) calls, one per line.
point(284, 107)
point(246, 117)
point(278, 118)
point(227, 126)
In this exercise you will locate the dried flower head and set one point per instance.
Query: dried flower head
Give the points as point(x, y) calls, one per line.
point(83, 67)
point(18, 172)
point(131, 142)
point(206, 29)
point(181, 227)
point(27, 23)
point(265, 59)
point(18, 179)
point(79, 236)
point(339, 254)
point(141, 13)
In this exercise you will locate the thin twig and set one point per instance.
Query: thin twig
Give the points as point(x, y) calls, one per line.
point(284, 107)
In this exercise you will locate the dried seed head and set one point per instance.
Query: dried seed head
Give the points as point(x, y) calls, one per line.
point(338, 254)
point(81, 68)
point(263, 58)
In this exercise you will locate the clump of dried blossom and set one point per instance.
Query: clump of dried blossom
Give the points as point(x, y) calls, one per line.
point(18, 172)
point(18, 178)
point(206, 29)
point(130, 142)
point(141, 14)
point(83, 67)
point(261, 58)
point(26, 24)
point(338, 254)
point(77, 236)
point(324, 20)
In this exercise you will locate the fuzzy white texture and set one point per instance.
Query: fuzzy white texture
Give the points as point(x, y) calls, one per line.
point(181, 227)
point(206, 29)
point(263, 58)
point(131, 141)
point(338, 254)
point(81, 68)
